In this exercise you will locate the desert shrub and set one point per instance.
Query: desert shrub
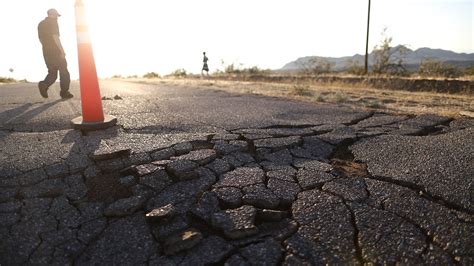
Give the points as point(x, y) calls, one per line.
point(151, 75)
point(181, 72)
point(255, 70)
point(316, 66)
point(354, 68)
point(436, 68)
point(6, 80)
point(469, 71)
point(231, 69)
point(319, 97)
point(300, 90)
point(388, 59)
point(339, 97)
point(374, 104)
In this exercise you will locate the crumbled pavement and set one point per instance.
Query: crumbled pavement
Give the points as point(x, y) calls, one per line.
point(377, 189)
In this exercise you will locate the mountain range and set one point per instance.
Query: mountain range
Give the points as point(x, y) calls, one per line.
point(411, 59)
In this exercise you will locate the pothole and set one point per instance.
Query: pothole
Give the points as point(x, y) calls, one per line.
point(344, 164)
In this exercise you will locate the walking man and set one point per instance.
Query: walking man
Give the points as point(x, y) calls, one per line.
point(205, 67)
point(54, 56)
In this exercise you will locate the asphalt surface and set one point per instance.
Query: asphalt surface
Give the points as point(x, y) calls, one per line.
point(194, 176)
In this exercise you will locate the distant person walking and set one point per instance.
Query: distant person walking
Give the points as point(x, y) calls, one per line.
point(205, 67)
point(54, 56)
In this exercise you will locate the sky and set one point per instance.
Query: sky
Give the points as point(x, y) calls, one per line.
point(133, 37)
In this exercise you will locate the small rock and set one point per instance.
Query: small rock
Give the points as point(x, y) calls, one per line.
point(125, 207)
point(284, 190)
point(260, 197)
point(241, 177)
point(310, 178)
point(219, 166)
point(229, 196)
point(162, 213)
point(116, 97)
point(200, 157)
point(182, 241)
point(233, 146)
point(163, 154)
point(236, 223)
point(183, 148)
point(157, 180)
point(146, 169)
point(182, 169)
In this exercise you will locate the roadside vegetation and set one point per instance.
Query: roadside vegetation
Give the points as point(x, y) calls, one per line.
point(390, 86)
point(7, 80)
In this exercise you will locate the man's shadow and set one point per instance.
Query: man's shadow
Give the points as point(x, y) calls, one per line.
point(85, 144)
point(21, 114)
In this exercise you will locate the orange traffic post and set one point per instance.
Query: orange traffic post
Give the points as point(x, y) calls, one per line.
point(93, 117)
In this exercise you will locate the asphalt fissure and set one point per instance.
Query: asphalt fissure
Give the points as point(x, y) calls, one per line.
point(422, 192)
point(357, 244)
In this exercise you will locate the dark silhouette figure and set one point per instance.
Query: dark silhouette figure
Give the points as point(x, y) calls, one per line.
point(205, 67)
point(54, 56)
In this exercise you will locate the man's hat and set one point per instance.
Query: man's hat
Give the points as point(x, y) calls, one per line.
point(53, 12)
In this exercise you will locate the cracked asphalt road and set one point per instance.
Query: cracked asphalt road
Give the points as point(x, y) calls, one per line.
point(202, 176)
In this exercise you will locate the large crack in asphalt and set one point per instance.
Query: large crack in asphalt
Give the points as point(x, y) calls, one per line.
point(344, 163)
point(423, 192)
point(344, 167)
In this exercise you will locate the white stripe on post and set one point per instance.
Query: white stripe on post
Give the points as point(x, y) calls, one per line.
point(83, 37)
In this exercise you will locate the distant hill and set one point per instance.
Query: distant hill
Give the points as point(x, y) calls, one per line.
point(412, 59)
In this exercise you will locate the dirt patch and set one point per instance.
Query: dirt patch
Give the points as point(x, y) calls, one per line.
point(342, 160)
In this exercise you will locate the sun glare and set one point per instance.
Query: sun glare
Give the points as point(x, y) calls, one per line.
point(140, 36)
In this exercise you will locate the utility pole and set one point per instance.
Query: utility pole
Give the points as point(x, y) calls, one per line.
point(367, 43)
